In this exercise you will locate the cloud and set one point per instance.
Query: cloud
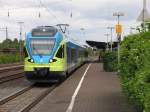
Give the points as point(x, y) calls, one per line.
point(93, 15)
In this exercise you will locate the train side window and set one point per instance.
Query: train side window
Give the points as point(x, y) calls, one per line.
point(60, 53)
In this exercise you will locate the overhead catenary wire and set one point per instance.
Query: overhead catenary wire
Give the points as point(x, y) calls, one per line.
point(41, 5)
point(59, 21)
point(51, 12)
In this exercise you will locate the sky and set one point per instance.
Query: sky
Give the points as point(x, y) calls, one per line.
point(92, 15)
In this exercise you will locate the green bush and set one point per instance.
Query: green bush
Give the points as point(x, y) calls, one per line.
point(9, 58)
point(110, 61)
point(135, 69)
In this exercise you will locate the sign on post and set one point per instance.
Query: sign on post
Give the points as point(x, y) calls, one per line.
point(118, 29)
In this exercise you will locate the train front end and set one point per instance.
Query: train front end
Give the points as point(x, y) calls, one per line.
point(41, 47)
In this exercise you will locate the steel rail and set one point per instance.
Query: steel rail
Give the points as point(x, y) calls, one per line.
point(36, 101)
point(14, 95)
point(11, 77)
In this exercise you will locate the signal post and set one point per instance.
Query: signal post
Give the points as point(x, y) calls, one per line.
point(118, 32)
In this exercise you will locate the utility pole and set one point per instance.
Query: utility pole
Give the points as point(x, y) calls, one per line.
point(5, 29)
point(71, 14)
point(6, 33)
point(118, 31)
point(20, 39)
point(144, 15)
point(111, 33)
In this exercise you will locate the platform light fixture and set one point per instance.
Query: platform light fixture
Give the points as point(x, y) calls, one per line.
point(111, 34)
point(118, 14)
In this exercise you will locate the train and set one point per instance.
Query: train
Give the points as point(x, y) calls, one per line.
point(49, 55)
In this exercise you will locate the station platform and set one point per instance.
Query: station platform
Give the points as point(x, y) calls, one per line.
point(99, 92)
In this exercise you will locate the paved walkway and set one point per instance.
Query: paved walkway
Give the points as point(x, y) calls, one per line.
point(100, 92)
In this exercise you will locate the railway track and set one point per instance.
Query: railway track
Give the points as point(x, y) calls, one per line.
point(11, 72)
point(7, 65)
point(13, 67)
point(14, 95)
point(28, 107)
point(25, 99)
point(11, 77)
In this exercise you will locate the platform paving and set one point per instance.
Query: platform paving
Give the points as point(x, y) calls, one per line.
point(100, 92)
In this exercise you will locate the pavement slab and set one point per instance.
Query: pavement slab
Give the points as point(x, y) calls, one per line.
point(101, 92)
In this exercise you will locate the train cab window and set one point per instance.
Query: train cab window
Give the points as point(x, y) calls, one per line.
point(25, 52)
point(60, 53)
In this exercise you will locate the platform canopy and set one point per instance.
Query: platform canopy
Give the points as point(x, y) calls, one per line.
point(101, 45)
point(98, 45)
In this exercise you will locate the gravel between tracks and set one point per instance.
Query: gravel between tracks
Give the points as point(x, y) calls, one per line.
point(10, 87)
point(20, 102)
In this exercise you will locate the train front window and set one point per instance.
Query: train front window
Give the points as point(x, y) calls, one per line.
point(44, 32)
point(42, 46)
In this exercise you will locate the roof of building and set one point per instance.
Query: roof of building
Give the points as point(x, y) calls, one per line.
point(100, 45)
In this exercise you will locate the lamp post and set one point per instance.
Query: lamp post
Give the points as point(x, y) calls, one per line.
point(111, 33)
point(131, 29)
point(83, 32)
point(71, 14)
point(20, 39)
point(107, 35)
point(118, 31)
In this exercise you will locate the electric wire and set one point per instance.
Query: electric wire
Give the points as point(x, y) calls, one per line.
point(50, 12)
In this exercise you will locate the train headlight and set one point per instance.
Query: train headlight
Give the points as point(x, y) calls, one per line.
point(51, 61)
point(32, 60)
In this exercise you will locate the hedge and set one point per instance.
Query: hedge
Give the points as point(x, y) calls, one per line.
point(135, 69)
point(110, 61)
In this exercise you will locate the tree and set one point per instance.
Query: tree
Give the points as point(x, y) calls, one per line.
point(16, 44)
point(7, 43)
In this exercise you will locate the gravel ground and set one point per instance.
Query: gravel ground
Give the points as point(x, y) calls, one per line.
point(10, 87)
point(23, 100)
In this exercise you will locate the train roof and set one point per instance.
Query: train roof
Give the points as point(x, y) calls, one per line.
point(72, 42)
point(74, 45)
